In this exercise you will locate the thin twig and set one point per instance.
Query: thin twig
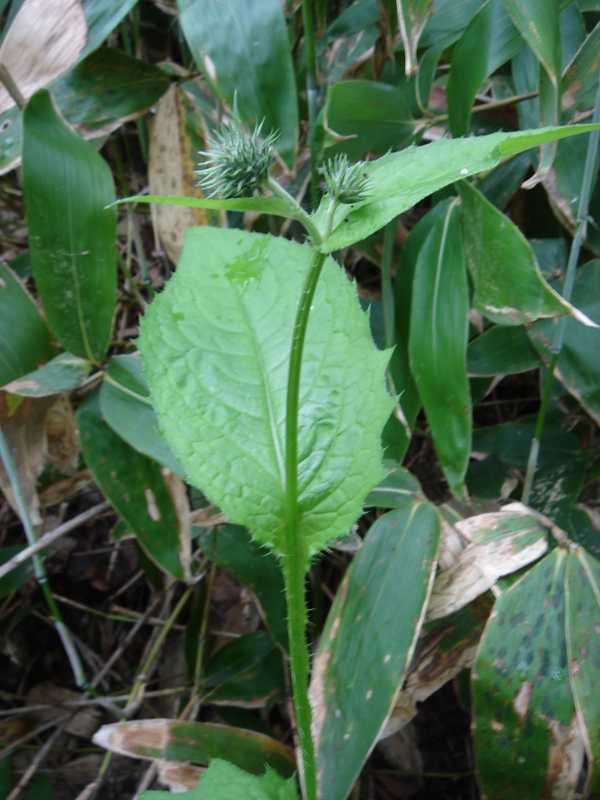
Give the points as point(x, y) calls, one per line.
point(48, 538)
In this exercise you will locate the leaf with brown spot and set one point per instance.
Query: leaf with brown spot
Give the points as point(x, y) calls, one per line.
point(445, 648)
point(368, 642)
point(198, 743)
point(528, 739)
point(172, 160)
point(501, 542)
point(583, 643)
point(23, 422)
point(63, 436)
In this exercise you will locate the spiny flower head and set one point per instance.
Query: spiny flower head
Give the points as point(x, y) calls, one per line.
point(344, 181)
point(238, 162)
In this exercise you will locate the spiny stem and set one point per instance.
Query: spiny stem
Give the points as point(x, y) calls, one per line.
point(311, 92)
point(38, 567)
point(295, 560)
point(589, 175)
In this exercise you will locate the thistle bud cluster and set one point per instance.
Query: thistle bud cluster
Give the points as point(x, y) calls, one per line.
point(238, 162)
point(346, 182)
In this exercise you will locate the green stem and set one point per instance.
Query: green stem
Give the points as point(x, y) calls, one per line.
point(311, 94)
point(296, 211)
point(295, 561)
point(387, 290)
point(589, 176)
point(38, 566)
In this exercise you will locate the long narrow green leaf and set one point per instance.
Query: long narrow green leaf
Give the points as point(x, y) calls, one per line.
point(245, 47)
point(371, 633)
point(216, 345)
point(262, 205)
point(438, 344)
point(196, 742)
point(398, 429)
point(67, 186)
point(400, 180)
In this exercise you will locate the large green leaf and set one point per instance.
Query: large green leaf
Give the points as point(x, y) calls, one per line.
point(368, 642)
point(438, 344)
point(245, 47)
point(255, 568)
point(24, 337)
point(583, 643)
point(126, 406)
point(489, 40)
point(216, 345)
point(578, 366)
point(524, 709)
point(371, 117)
point(224, 781)
point(412, 17)
point(135, 488)
point(509, 287)
point(67, 187)
point(400, 180)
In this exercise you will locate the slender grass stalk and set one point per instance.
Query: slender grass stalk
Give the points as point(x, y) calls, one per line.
point(311, 94)
point(589, 175)
point(387, 290)
point(38, 567)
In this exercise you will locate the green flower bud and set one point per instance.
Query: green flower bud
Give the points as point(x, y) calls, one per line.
point(238, 162)
point(344, 181)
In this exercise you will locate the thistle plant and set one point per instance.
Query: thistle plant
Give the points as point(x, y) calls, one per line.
point(261, 365)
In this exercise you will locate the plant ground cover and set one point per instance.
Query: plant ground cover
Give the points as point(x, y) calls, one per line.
point(207, 520)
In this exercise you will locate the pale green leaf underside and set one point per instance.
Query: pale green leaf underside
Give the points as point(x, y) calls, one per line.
point(216, 346)
point(399, 180)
